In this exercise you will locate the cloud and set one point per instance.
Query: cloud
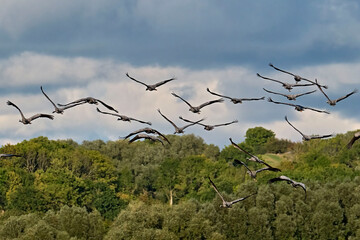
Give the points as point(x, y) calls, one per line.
point(184, 33)
point(68, 79)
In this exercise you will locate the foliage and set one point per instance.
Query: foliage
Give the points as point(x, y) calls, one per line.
point(115, 190)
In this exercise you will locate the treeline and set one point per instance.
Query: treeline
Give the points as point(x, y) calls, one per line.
point(115, 190)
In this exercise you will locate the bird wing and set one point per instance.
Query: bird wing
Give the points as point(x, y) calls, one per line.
point(9, 155)
point(266, 78)
point(303, 85)
point(270, 100)
point(243, 150)
point(192, 122)
point(127, 74)
point(302, 94)
point(140, 121)
point(225, 124)
point(353, 139)
point(274, 92)
point(172, 123)
point(113, 114)
point(294, 127)
point(216, 94)
point(241, 199)
point(41, 115)
point(252, 99)
point(281, 178)
point(242, 163)
point(347, 95)
point(320, 88)
point(107, 106)
point(278, 69)
point(81, 101)
point(48, 97)
point(12, 104)
point(175, 95)
point(321, 136)
point(268, 169)
point(316, 110)
point(210, 102)
point(163, 82)
point(216, 190)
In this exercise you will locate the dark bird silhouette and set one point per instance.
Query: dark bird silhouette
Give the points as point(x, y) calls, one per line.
point(290, 96)
point(308, 137)
point(179, 129)
point(353, 139)
point(89, 100)
point(252, 173)
point(227, 204)
point(59, 110)
point(287, 86)
point(333, 102)
point(296, 77)
point(146, 136)
point(123, 117)
point(8, 155)
point(298, 107)
point(25, 120)
point(151, 87)
point(197, 109)
point(235, 100)
point(252, 158)
point(289, 181)
point(208, 127)
point(148, 131)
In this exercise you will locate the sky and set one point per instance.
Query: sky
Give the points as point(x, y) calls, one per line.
point(77, 49)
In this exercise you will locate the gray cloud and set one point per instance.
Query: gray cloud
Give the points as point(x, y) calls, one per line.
point(183, 33)
point(106, 80)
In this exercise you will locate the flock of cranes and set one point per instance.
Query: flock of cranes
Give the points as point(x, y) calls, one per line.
point(156, 136)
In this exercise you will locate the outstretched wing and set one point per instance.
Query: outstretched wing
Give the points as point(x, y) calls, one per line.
point(216, 190)
point(175, 95)
point(48, 97)
point(274, 92)
point(107, 106)
point(192, 122)
point(216, 94)
point(241, 149)
point(347, 95)
point(353, 139)
point(163, 82)
point(241, 199)
point(41, 115)
point(289, 104)
point(12, 104)
point(266, 78)
point(317, 110)
point(113, 114)
point(127, 74)
point(320, 88)
point(172, 123)
point(140, 121)
point(241, 163)
point(321, 136)
point(268, 169)
point(225, 124)
point(210, 102)
point(302, 94)
point(294, 127)
point(79, 101)
point(281, 178)
point(252, 99)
